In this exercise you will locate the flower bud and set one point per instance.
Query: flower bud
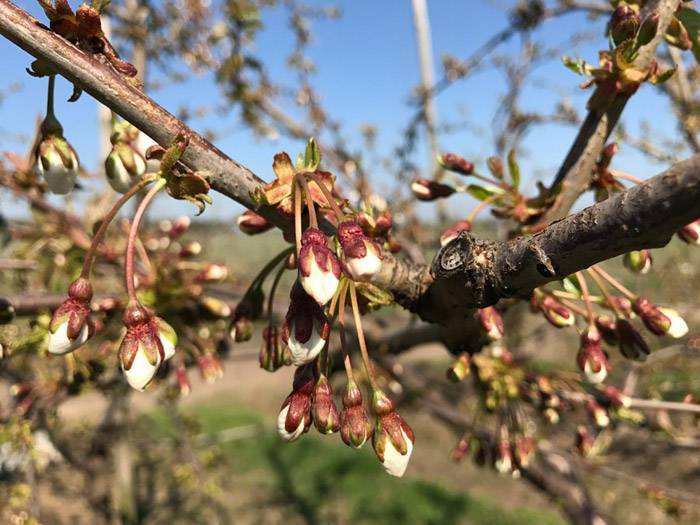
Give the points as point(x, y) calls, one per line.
point(306, 327)
point(182, 381)
point(251, 223)
point(363, 258)
point(57, 163)
point(638, 261)
point(123, 166)
point(429, 190)
point(606, 156)
point(393, 438)
point(591, 359)
point(598, 413)
point(659, 320)
point(648, 29)
point(491, 322)
point(461, 449)
point(271, 352)
point(179, 226)
point(606, 327)
point(631, 343)
point(524, 451)
point(504, 458)
point(212, 272)
point(453, 231)
point(615, 396)
point(210, 367)
point(355, 426)
point(295, 415)
point(624, 23)
point(584, 441)
point(459, 370)
point(690, 233)
point(190, 249)
point(456, 163)
point(319, 269)
point(325, 414)
point(70, 325)
point(215, 306)
point(149, 341)
point(556, 313)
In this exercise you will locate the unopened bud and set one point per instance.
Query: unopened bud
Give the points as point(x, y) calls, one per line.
point(631, 343)
point(690, 233)
point(648, 29)
point(453, 231)
point(430, 190)
point(624, 23)
point(325, 414)
point(251, 223)
point(459, 370)
point(456, 163)
point(491, 322)
point(638, 261)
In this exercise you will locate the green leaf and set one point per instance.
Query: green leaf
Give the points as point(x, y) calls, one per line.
point(376, 297)
point(571, 285)
point(312, 155)
point(690, 18)
point(514, 169)
point(482, 193)
point(576, 65)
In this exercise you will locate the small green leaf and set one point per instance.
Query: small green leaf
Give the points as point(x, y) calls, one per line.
point(312, 155)
point(376, 297)
point(571, 285)
point(514, 169)
point(691, 20)
point(482, 193)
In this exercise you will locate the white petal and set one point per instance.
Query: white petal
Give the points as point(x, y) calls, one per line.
point(60, 179)
point(594, 377)
point(363, 269)
point(59, 343)
point(319, 284)
point(141, 372)
point(168, 347)
point(394, 462)
point(288, 436)
point(679, 328)
point(143, 142)
point(303, 353)
point(119, 179)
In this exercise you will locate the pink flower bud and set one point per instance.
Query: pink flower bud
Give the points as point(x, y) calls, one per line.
point(325, 414)
point(179, 226)
point(690, 233)
point(615, 396)
point(631, 343)
point(491, 322)
point(429, 190)
point(461, 449)
point(210, 367)
point(504, 458)
point(306, 327)
point(363, 258)
point(70, 325)
point(295, 415)
point(182, 381)
point(271, 353)
point(456, 163)
point(638, 261)
point(591, 359)
point(251, 223)
point(355, 426)
point(659, 320)
point(393, 438)
point(584, 441)
point(524, 451)
point(319, 269)
point(556, 313)
point(453, 231)
point(149, 341)
point(190, 249)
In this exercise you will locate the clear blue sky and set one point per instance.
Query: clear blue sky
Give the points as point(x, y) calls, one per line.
point(367, 67)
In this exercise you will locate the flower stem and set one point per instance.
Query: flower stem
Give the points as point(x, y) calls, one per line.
point(614, 282)
point(297, 218)
point(604, 290)
point(626, 176)
point(49, 97)
point(586, 297)
point(133, 231)
point(341, 323)
point(302, 182)
point(97, 239)
point(273, 290)
point(329, 197)
point(361, 336)
point(477, 209)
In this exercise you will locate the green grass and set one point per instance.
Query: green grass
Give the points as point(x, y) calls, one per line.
point(321, 481)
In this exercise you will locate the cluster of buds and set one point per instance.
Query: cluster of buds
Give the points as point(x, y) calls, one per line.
point(124, 165)
point(71, 325)
point(554, 311)
point(591, 358)
point(149, 342)
point(55, 159)
point(393, 438)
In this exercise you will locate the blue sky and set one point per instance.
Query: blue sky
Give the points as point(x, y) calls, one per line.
point(367, 66)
